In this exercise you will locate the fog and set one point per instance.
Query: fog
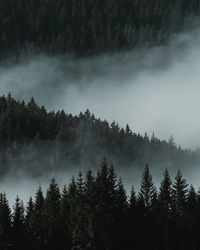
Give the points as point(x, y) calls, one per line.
point(25, 187)
point(155, 90)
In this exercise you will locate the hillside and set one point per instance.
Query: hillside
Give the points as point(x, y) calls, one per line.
point(37, 141)
point(82, 27)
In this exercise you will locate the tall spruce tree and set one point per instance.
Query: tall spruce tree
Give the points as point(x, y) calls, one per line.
point(38, 220)
point(180, 191)
point(65, 217)
point(53, 223)
point(82, 232)
point(18, 226)
point(147, 189)
point(164, 213)
point(5, 223)
point(193, 217)
point(132, 200)
point(29, 224)
point(120, 225)
point(106, 200)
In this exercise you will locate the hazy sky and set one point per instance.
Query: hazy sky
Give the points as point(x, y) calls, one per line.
point(156, 90)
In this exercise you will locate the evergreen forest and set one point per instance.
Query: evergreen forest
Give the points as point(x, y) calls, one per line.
point(85, 27)
point(35, 142)
point(95, 212)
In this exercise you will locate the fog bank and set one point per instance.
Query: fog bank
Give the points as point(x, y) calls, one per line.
point(156, 90)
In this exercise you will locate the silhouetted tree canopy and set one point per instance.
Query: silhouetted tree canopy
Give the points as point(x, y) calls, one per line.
point(37, 141)
point(95, 212)
point(81, 27)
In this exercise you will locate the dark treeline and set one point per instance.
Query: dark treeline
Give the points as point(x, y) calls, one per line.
point(37, 141)
point(94, 212)
point(90, 26)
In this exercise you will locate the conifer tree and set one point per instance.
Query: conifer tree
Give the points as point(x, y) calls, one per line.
point(53, 223)
point(106, 201)
point(165, 206)
point(122, 204)
point(147, 190)
point(65, 217)
point(193, 216)
point(119, 235)
point(38, 220)
point(90, 190)
point(180, 192)
point(132, 200)
point(82, 233)
point(5, 223)
point(18, 227)
point(165, 193)
point(29, 223)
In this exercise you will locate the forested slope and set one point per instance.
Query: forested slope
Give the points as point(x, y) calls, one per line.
point(37, 141)
point(82, 27)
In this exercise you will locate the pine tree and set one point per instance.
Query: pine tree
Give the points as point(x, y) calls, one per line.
point(132, 200)
point(147, 196)
point(53, 223)
point(106, 203)
point(90, 190)
point(29, 223)
point(193, 216)
point(180, 192)
point(147, 189)
point(120, 224)
point(18, 227)
point(82, 233)
point(65, 217)
point(165, 193)
point(121, 198)
point(5, 223)
point(165, 206)
point(140, 223)
point(38, 221)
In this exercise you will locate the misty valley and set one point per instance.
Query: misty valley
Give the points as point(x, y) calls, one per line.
point(99, 125)
point(94, 210)
point(36, 142)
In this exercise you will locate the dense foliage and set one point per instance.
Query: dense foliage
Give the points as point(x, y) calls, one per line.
point(95, 213)
point(37, 141)
point(90, 26)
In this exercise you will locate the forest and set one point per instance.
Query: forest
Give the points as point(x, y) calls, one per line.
point(95, 212)
point(37, 142)
point(85, 27)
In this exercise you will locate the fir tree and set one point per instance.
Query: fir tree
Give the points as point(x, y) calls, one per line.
point(18, 227)
point(147, 190)
point(180, 192)
point(38, 221)
point(53, 223)
point(65, 217)
point(82, 233)
point(165, 205)
point(29, 223)
point(5, 223)
point(132, 200)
